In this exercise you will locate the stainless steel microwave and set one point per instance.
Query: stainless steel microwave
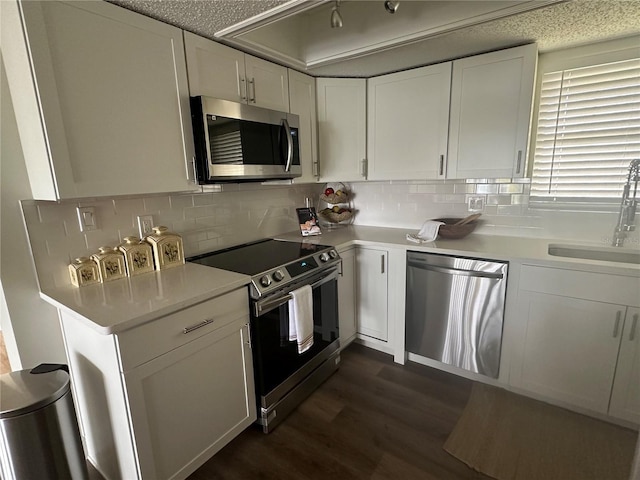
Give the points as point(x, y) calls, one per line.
point(236, 142)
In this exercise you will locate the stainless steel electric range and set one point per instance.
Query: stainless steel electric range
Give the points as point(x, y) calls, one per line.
point(284, 377)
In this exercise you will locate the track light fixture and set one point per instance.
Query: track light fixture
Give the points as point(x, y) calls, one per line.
point(336, 18)
point(391, 7)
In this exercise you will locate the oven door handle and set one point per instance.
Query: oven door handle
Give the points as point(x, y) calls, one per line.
point(263, 306)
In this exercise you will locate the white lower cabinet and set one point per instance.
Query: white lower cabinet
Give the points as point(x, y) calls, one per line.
point(579, 342)
point(625, 396)
point(160, 399)
point(372, 292)
point(187, 404)
point(347, 297)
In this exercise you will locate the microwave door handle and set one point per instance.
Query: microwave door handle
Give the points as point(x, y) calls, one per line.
point(287, 130)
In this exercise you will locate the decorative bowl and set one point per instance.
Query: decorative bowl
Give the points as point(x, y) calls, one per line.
point(451, 231)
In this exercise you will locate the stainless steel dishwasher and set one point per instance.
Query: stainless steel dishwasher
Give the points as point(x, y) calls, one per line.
point(455, 310)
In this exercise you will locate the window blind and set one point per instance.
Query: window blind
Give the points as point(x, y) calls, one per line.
point(588, 132)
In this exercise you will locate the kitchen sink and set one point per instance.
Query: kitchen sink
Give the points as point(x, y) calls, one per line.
point(607, 254)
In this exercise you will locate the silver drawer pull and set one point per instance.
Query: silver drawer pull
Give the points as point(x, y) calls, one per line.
point(197, 325)
point(632, 335)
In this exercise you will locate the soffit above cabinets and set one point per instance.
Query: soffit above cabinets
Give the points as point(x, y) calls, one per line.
point(297, 33)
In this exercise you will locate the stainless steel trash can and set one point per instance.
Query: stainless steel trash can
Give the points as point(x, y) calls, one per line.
point(38, 426)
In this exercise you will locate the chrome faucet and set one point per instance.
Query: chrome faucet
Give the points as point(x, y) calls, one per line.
point(627, 205)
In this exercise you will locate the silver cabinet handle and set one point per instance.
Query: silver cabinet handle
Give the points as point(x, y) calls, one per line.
point(519, 161)
point(243, 89)
point(252, 97)
point(616, 327)
point(382, 263)
point(634, 324)
point(363, 167)
point(441, 165)
point(197, 325)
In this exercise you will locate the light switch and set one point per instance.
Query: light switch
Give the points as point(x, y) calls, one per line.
point(87, 218)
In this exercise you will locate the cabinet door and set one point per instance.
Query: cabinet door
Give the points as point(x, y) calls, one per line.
point(187, 404)
point(302, 102)
point(267, 84)
point(114, 100)
point(347, 297)
point(215, 70)
point(372, 292)
point(491, 98)
point(342, 129)
point(408, 123)
point(625, 397)
point(570, 348)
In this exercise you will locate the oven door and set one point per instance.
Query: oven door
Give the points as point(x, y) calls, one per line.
point(278, 367)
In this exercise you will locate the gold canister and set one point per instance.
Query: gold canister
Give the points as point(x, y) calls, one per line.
point(110, 264)
point(167, 248)
point(138, 256)
point(84, 271)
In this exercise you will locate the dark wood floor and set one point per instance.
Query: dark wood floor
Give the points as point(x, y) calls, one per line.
point(373, 419)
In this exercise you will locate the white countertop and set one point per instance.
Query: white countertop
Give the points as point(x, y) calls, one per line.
point(512, 249)
point(122, 304)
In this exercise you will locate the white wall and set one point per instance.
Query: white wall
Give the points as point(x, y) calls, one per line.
point(30, 325)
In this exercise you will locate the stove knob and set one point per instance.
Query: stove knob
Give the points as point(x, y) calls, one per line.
point(265, 281)
point(278, 275)
point(324, 257)
point(333, 254)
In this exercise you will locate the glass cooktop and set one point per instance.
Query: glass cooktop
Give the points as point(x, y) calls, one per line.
point(257, 257)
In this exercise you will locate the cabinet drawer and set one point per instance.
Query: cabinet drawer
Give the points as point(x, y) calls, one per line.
point(160, 336)
point(598, 287)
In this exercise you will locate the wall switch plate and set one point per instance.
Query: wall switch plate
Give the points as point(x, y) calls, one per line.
point(87, 218)
point(475, 203)
point(145, 225)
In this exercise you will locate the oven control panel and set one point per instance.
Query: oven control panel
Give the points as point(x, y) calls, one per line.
point(277, 278)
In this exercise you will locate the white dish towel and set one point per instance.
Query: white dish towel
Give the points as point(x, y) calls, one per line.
point(301, 318)
point(428, 232)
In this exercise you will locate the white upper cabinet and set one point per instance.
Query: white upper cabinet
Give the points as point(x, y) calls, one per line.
point(218, 71)
point(101, 99)
point(491, 99)
point(302, 100)
point(408, 122)
point(342, 128)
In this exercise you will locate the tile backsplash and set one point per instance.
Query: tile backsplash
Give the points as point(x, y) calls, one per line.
point(407, 204)
point(238, 213)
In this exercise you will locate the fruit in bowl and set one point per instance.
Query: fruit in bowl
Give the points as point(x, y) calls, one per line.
point(328, 191)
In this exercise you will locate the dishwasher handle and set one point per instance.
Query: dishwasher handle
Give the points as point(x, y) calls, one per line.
point(454, 271)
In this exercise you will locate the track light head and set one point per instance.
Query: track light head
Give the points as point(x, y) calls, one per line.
point(336, 18)
point(390, 6)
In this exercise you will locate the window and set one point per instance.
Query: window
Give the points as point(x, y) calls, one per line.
point(588, 133)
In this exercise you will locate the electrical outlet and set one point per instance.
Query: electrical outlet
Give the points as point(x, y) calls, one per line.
point(145, 225)
point(475, 203)
point(87, 218)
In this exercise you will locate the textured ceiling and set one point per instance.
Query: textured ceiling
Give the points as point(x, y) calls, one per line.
point(553, 27)
point(204, 17)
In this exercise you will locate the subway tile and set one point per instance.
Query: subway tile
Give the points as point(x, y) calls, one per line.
point(181, 201)
point(203, 199)
point(510, 188)
point(128, 207)
point(487, 188)
point(509, 210)
point(464, 188)
point(155, 204)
